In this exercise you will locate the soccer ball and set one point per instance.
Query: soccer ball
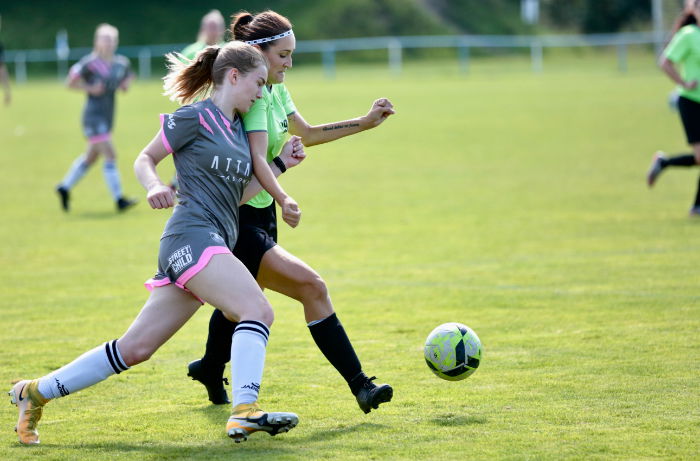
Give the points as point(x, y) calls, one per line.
point(453, 351)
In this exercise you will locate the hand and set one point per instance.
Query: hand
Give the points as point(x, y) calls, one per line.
point(96, 89)
point(381, 110)
point(292, 153)
point(291, 214)
point(161, 196)
point(691, 85)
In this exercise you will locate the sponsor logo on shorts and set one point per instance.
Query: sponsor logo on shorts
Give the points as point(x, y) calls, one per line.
point(171, 121)
point(216, 237)
point(181, 258)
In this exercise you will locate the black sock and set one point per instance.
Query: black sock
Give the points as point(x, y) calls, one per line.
point(697, 196)
point(679, 160)
point(218, 350)
point(331, 338)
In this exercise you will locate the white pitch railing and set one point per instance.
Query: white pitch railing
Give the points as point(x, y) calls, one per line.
point(328, 49)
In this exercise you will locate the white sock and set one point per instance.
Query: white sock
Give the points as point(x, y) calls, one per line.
point(248, 360)
point(75, 173)
point(88, 369)
point(112, 179)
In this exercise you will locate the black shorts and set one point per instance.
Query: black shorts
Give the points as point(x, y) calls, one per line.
point(257, 234)
point(690, 116)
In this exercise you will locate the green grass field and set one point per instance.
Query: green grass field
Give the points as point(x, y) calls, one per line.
point(511, 202)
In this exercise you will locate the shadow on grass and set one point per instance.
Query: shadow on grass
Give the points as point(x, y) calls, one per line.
point(450, 419)
point(95, 215)
point(355, 429)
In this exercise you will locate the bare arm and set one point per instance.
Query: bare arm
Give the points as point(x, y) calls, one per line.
point(76, 82)
point(5, 80)
point(670, 69)
point(292, 155)
point(158, 194)
point(312, 135)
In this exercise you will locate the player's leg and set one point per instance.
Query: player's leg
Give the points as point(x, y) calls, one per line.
point(695, 210)
point(111, 175)
point(285, 273)
point(254, 239)
point(75, 173)
point(167, 309)
point(226, 284)
point(689, 112)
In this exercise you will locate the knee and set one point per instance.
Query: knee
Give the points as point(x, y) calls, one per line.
point(313, 288)
point(259, 310)
point(133, 354)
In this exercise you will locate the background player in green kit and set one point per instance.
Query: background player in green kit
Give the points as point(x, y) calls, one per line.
point(683, 51)
point(267, 124)
point(211, 32)
point(100, 74)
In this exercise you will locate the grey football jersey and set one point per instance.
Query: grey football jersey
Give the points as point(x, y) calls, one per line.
point(93, 69)
point(213, 164)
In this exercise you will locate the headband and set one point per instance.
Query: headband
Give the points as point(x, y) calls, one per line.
point(269, 39)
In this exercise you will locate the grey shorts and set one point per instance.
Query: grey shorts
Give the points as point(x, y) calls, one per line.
point(182, 256)
point(97, 129)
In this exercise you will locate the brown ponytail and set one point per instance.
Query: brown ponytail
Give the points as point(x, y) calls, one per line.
point(246, 26)
point(189, 80)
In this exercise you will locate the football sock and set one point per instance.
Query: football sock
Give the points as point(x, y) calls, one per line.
point(111, 174)
point(75, 173)
point(218, 350)
point(679, 160)
point(248, 360)
point(334, 343)
point(90, 368)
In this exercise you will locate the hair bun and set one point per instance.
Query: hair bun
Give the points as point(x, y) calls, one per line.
point(240, 20)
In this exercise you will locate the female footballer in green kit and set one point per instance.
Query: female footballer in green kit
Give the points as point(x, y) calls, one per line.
point(683, 51)
point(268, 123)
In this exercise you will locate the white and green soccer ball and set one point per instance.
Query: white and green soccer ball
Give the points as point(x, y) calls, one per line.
point(453, 351)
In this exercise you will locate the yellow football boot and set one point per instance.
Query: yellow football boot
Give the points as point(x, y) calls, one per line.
point(247, 418)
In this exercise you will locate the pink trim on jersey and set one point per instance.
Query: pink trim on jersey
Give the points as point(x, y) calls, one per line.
point(205, 124)
point(152, 283)
point(201, 264)
point(162, 134)
point(100, 67)
point(218, 126)
point(100, 138)
point(226, 122)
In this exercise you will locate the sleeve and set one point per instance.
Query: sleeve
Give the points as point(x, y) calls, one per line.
point(128, 71)
point(80, 70)
point(179, 128)
point(191, 50)
point(289, 107)
point(256, 118)
point(679, 47)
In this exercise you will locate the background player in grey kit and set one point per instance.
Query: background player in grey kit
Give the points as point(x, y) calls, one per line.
point(4, 78)
point(100, 74)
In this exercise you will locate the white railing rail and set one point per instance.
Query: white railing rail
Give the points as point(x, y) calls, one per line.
point(394, 46)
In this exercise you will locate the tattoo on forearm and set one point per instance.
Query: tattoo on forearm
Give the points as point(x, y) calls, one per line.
point(340, 127)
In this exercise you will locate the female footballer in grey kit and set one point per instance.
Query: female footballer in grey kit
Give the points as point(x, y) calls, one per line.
point(100, 74)
point(267, 124)
point(195, 262)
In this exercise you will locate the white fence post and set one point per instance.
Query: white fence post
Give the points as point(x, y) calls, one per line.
point(144, 63)
point(463, 51)
point(622, 57)
point(21, 68)
point(329, 60)
point(395, 56)
point(536, 56)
